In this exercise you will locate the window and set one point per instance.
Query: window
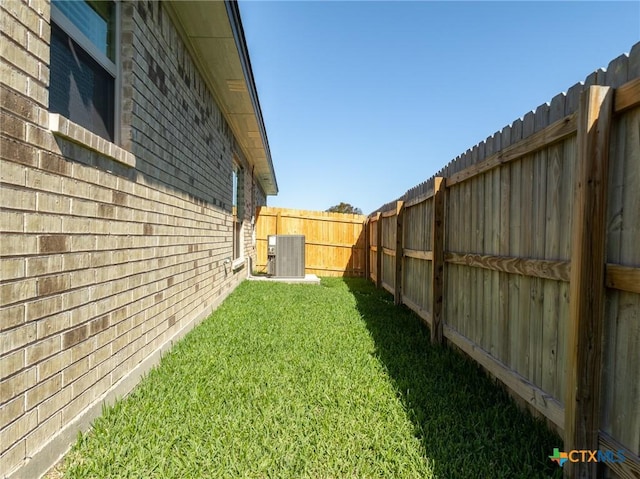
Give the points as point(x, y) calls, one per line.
point(237, 210)
point(83, 67)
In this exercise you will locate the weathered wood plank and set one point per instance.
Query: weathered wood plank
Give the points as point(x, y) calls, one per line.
point(415, 238)
point(389, 213)
point(367, 254)
point(553, 133)
point(460, 241)
point(573, 98)
point(624, 380)
point(437, 268)
point(517, 383)
point(614, 363)
point(452, 271)
point(514, 247)
point(485, 302)
point(490, 217)
point(556, 109)
point(481, 318)
point(536, 268)
point(525, 358)
point(477, 275)
point(624, 278)
point(379, 250)
point(618, 73)
point(398, 253)
point(412, 253)
point(418, 199)
point(389, 245)
point(569, 161)
point(627, 469)
point(494, 313)
point(584, 358)
point(627, 96)
point(503, 250)
point(466, 213)
point(627, 391)
point(389, 251)
point(539, 227)
point(551, 289)
point(470, 291)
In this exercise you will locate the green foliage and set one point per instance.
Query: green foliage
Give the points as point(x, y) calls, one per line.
point(307, 381)
point(345, 208)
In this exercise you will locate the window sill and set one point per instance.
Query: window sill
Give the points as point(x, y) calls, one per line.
point(65, 128)
point(237, 264)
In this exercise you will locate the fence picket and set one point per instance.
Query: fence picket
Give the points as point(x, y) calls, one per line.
point(627, 371)
point(515, 249)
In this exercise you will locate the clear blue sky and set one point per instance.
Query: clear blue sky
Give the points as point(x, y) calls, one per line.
point(363, 100)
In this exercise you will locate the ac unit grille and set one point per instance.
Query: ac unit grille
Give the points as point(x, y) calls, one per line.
point(287, 256)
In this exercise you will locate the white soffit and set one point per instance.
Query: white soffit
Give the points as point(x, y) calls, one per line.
point(209, 31)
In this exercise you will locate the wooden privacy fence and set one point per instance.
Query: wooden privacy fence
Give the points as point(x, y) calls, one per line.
point(525, 254)
point(334, 242)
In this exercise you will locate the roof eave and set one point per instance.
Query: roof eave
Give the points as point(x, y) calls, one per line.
point(213, 34)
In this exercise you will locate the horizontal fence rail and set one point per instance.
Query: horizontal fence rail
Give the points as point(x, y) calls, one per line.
point(524, 253)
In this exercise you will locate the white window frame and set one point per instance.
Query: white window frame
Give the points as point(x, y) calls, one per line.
point(112, 67)
point(237, 222)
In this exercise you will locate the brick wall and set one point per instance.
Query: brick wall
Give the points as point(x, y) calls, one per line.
point(107, 254)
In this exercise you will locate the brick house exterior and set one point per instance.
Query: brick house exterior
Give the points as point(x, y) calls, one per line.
point(113, 248)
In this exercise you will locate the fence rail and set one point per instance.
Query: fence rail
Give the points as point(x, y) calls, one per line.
point(334, 242)
point(524, 253)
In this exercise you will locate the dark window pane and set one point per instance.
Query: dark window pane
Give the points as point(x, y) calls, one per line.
point(79, 88)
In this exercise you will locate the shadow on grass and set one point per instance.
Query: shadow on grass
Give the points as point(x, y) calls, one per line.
point(467, 425)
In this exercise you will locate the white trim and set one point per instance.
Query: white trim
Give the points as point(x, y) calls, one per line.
point(65, 128)
point(238, 264)
point(117, 86)
point(237, 176)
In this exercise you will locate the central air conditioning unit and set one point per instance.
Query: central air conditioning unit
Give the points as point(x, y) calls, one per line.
point(285, 256)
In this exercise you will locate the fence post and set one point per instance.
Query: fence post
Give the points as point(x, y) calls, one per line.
point(379, 250)
point(437, 265)
point(367, 250)
point(397, 290)
point(586, 288)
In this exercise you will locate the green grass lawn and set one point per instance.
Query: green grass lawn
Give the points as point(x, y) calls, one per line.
point(330, 381)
